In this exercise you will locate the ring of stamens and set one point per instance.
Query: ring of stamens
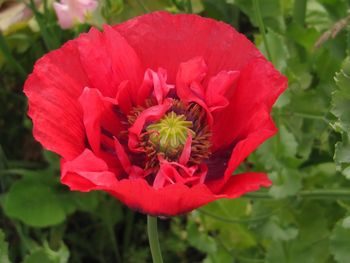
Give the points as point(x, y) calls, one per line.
point(168, 135)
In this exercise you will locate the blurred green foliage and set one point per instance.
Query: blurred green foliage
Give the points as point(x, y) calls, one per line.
point(303, 217)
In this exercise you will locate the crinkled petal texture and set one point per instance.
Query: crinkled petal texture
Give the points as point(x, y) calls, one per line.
point(83, 98)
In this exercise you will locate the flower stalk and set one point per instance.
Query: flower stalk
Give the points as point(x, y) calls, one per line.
point(319, 194)
point(261, 27)
point(299, 12)
point(50, 40)
point(189, 6)
point(4, 49)
point(153, 239)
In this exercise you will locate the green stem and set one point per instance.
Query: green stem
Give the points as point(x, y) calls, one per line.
point(326, 194)
point(113, 241)
point(21, 164)
point(3, 159)
point(145, 8)
point(5, 50)
point(240, 221)
point(318, 194)
point(50, 40)
point(46, 7)
point(176, 4)
point(309, 116)
point(26, 244)
point(130, 215)
point(235, 16)
point(56, 236)
point(299, 11)
point(153, 239)
point(304, 115)
point(189, 6)
point(261, 27)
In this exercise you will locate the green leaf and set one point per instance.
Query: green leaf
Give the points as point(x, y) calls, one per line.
point(86, 202)
point(110, 9)
point(275, 253)
point(346, 172)
point(339, 242)
point(317, 16)
point(341, 97)
point(306, 37)
point(271, 12)
point(311, 244)
point(199, 239)
point(235, 236)
point(221, 256)
point(46, 177)
point(229, 209)
point(286, 183)
point(289, 142)
point(110, 211)
point(279, 152)
point(53, 160)
point(4, 258)
point(224, 216)
point(342, 150)
point(277, 231)
point(34, 203)
point(341, 109)
point(278, 49)
point(346, 223)
point(47, 255)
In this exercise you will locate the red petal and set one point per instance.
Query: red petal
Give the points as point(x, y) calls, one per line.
point(240, 184)
point(154, 81)
point(246, 122)
point(175, 199)
point(170, 200)
point(52, 90)
point(123, 97)
point(98, 115)
point(122, 156)
point(262, 128)
point(108, 60)
point(151, 114)
point(258, 87)
point(93, 107)
point(164, 40)
point(216, 94)
point(161, 89)
point(186, 152)
point(166, 173)
point(161, 177)
point(145, 89)
point(86, 173)
point(188, 84)
point(191, 73)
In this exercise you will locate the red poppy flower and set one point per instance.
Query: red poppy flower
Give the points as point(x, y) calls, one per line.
point(158, 111)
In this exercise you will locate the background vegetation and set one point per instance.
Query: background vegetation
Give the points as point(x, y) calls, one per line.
point(304, 217)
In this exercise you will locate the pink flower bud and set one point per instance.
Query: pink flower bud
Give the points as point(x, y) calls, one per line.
point(71, 11)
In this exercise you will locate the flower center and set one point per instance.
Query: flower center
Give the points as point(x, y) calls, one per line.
point(168, 135)
point(171, 132)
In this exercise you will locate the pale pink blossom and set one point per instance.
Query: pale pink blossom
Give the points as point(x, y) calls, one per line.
point(71, 11)
point(13, 13)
